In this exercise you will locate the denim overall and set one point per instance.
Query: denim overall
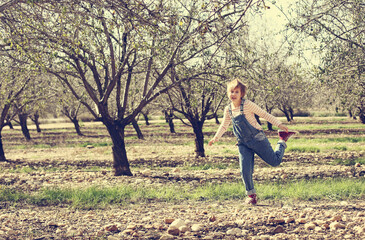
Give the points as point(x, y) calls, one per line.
point(251, 141)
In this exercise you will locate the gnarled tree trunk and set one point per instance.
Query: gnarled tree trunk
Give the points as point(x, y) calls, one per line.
point(2, 153)
point(291, 113)
point(169, 117)
point(137, 128)
point(362, 116)
point(35, 119)
point(75, 121)
point(269, 126)
point(10, 125)
point(216, 118)
point(23, 124)
point(120, 160)
point(258, 119)
point(199, 139)
point(286, 113)
point(145, 115)
point(8, 122)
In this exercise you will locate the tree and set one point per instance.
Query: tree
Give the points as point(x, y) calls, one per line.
point(35, 120)
point(338, 29)
point(30, 102)
point(145, 113)
point(67, 104)
point(13, 83)
point(71, 111)
point(119, 49)
point(193, 98)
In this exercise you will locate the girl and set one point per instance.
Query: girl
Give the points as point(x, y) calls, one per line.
point(249, 133)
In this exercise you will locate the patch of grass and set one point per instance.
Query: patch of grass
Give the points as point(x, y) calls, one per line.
point(314, 145)
point(334, 189)
point(327, 126)
point(41, 146)
point(328, 140)
point(348, 162)
point(190, 142)
point(222, 142)
point(341, 148)
point(95, 169)
point(99, 144)
point(304, 149)
point(31, 169)
point(20, 147)
point(11, 195)
point(346, 139)
point(22, 169)
point(230, 151)
point(101, 197)
point(208, 166)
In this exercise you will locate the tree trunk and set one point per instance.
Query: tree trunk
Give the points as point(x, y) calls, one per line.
point(362, 117)
point(146, 119)
point(120, 160)
point(258, 119)
point(75, 121)
point(166, 116)
point(36, 122)
point(170, 120)
point(23, 124)
point(291, 113)
point(172, 125)
point(350, 113)
point(269, 126)
point(9, 124)
point(138, 130)
point(216, 119)
point(199, 139)
point(2, 153)
point(286, 114)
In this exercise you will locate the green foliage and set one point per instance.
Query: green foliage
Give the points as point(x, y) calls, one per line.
point(42, 146)
point(230, 151)
point(23, 169)
point(98, 144)
point(101, 197)
point(348, 162)
point(11, 195)
point(324, 126)
point(341, 148)
point(303, 149)
point(346, 139)
point(208, 166)
point(334, 189)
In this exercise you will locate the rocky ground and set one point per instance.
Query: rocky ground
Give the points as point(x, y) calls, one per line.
point(183, 220)
point(189, 220)
point(31, 169)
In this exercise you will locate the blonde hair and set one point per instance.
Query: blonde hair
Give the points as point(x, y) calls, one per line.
point(237, 83)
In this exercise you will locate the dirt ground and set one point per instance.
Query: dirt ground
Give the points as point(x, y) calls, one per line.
point(62, 159)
